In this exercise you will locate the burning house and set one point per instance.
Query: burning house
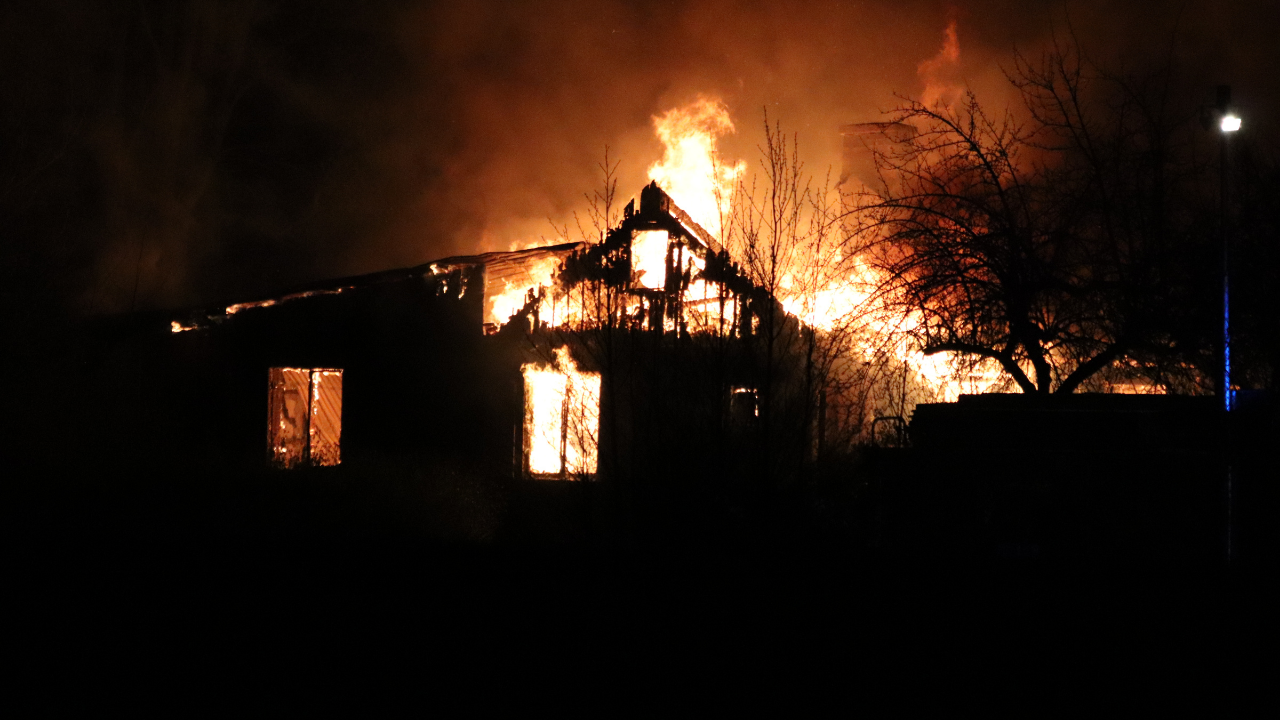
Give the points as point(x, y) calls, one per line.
point(646, 350)
point(628, 356)
point(651, 361)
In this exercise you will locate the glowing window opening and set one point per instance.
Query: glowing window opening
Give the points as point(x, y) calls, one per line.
point(304, 417)
point(649, 258)
point(562, 419)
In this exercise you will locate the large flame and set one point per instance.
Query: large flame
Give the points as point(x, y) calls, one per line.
point(843, 298)
point(539, 275)
point(562, 417)
point(836, 295)
point(691, 171)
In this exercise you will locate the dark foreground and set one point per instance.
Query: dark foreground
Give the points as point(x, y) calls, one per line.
point(216, 592)
point(139, 580)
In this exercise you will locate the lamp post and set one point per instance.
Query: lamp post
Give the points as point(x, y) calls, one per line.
point(1228, 123)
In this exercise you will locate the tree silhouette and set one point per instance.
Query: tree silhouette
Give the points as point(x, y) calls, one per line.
point(1065, 241)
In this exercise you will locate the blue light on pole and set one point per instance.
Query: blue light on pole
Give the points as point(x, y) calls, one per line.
point(1228, 124)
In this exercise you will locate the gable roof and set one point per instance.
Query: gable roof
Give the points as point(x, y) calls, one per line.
point(503, 269)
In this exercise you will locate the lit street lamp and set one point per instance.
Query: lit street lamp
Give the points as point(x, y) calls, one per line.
point(1228, 123)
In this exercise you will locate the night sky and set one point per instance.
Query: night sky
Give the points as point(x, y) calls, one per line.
point(168, 154)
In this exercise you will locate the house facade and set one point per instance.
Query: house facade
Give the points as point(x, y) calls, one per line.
point(639, 355)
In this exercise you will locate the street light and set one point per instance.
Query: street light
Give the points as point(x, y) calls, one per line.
point(1228, 123)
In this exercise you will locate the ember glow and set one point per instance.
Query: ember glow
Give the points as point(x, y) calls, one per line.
point(324, 429)
point(562, 418)
point(241, 307)
point(691, 170)
point(304, 416)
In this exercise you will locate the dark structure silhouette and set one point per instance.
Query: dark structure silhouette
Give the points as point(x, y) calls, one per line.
point(429, 372)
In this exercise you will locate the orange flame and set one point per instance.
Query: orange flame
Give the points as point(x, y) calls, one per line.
point(538, 276)
point(649, 258)
point(690, 170)
point(562, 417)
point(839, 295)
point(849, 303)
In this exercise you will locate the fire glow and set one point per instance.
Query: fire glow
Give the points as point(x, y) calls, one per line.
point(840, 293)
point(852, 298)
point(501, 306)
point(304, 408)
point(649, 258)
point(691, 170)
point(562, 418)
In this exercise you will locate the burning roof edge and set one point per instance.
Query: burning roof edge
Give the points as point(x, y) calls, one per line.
point(490, 257)
point(654, 202)
point(334, 286)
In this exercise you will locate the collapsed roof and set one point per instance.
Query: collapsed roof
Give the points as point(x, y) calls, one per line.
point(509, 277)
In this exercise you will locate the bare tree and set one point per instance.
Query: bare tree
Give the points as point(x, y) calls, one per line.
point(826, 365)
point(1048, 241)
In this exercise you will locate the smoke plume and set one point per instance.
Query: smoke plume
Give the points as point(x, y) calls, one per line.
point(161, 154)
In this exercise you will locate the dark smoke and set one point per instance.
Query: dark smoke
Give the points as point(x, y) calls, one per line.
point(161, 154)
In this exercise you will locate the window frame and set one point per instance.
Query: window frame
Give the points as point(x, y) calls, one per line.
point(307, 436)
